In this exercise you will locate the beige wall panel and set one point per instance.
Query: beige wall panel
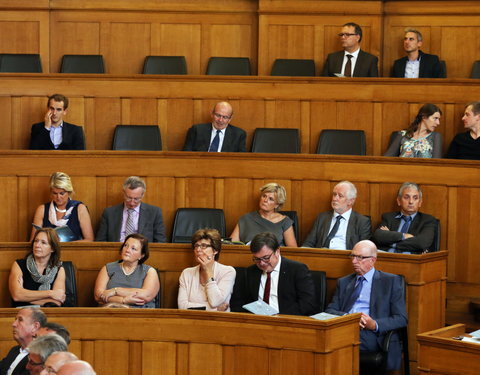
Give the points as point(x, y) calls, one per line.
point(351, 116)
point(114, 358)
point(179, 114)
point(231, 40)
point(238, 201)
point(8, 210)
point(315, 198)
point(249, 115)
point(205, 358)
point(251, 360)
point(19, 36)
point(160, 191)
point(395, 117)
point(294, 362)
point(158, 355)
point(30, 110)
point(199, 192)
point(460, 60)
point(106, 116)
point(139, 111)
point(6, 140)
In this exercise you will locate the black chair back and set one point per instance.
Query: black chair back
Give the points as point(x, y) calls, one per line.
point(165, 65)
point(293, 215)
point(70, 284)
point(189, 220)
point(293, 67)
point(276, 140)
point(229, 66)
point(20, 63)
point(476, 69)
point(443, 64)
point(137, 137)
point(320, 282)
point(342, 142)
point(92, 64)
point(436, 238)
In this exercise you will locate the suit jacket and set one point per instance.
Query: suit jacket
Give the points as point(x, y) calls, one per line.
point(198, 138)
point(430, 67)
point(7, 361)
point(359, 228)
point(150, 223)
point(296, 292)
point(422, 228)
point(366, 65)
point(387, 308)
point(72, 138)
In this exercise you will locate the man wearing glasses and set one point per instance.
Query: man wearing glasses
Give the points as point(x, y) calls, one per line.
point(284, 284)
point(41, 348)
point(378, 296)
point(352, 61)
point(132, 216)
point(217, 136)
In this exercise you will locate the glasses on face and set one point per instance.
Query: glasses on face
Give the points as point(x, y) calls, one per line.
point(264, 259)
point(50, 370)
point(130, 199)
point(31, 363)
point(346, 35)
point(202, 246)
point(359, 257)
point(223, 117)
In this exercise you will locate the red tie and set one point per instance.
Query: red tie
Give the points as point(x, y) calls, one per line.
point(348, 66)
point(266, 292)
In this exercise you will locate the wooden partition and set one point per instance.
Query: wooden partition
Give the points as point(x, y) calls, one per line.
point(172, 342)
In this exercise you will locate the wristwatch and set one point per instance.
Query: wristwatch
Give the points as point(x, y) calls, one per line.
point(211, 279)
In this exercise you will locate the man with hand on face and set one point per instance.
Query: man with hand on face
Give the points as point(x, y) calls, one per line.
point(217, 136)
point(132, 216)
point(340, 228)
point(408, 230)
point(54, 133)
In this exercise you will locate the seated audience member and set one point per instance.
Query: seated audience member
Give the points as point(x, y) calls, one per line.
point(52, 327)
point(351, 61)
point(54, 133)
point(129, 281)
point(76, 368)
point(284, 284)
point(132, 216)
point(379, 296)
point(467, 145)
point(57, 360)
point(217, 136)
point(39, 278)
point(267, 219)
point(209, 284)
point(416, 64)
point(63, 211)
point(420, 140)
point(40, 349)
point(341, 228)
point(25, 327)
point(407, 230)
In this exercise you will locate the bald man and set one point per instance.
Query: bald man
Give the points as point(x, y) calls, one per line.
point(57, 360)
point(217, 136)
point(76, 368)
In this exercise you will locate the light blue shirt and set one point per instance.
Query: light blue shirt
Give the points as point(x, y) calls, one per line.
point(339, 242)
point(221, 136)
point(362, 304)
point(136, 216)
point(412, 69)
point(56, 135)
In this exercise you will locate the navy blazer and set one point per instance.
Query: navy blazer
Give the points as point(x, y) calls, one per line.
point(72, 138)
point(5, 363)
point(387, 308)
point(198, 138)
point(366, 65)
point(150, 223)
point(296, 292)
point(430, 67)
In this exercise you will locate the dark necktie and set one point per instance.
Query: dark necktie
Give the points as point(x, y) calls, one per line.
point(333, 232)
point(355, 294)
point(407, 220)
point(348, 66)
point(129, 226)
point(216, 141)
point(266, 292)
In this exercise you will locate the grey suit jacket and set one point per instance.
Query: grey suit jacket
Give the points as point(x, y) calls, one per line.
point(198, 138)
point(359, 228)
point(366, 65)
point(150, 223)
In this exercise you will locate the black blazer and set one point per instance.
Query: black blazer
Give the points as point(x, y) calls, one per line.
point(7, 361)
point(296, 292)
point(198, 138)
point(72, 138)
point(366, 65)
point(430, 67)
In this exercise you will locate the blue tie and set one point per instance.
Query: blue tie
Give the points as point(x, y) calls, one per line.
point(215, 143)
point(355, 294)
point(407, 220)
point(333, 232)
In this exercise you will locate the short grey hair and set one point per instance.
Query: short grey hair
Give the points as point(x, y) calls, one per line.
point(352, 190)
point(46, 345)
point(134, 182)
point(416, 32)
point(407, 185)
point(37, 315)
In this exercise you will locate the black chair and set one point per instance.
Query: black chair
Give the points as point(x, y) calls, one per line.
point(342, 142)
point(165, 65)
point(229, 66)
point(475, 69)
point(137, 137)
point(189, 220)
point(293, 215)
point(293, 67)
point(276, 140)
point(82, 64)
point(70, 284)
point(443, 64)
point(159, 297)
point(436, 238)
point(20, 63)
point(320, 282)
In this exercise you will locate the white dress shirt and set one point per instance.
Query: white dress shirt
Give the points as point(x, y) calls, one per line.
point(354, 60)
point(274, 276)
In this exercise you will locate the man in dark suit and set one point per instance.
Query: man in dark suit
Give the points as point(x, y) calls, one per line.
point(351, 228)
point(27, 322)
point(379, 296)
point(132, 216)
point(416, 64)
point(217, 136)
point(352, 61)
point(284, 284)
point(407, 231)
point(54, 133)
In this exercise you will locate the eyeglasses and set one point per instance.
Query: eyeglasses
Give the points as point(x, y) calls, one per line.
point(31, 363)
point(346, 35)
point(50, 370)
point(130, 199)
point(223, 117)
point(360, 257)
point(264, 259)
point(202, 246)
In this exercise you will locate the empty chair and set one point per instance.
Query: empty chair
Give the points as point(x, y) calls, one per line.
point(82, 64)
point(293, 215)
point(20, 63)
point(165, 65)
point(276, 140)
point(436, 237)
point(70, 284)
point(229, 66)
point(342, 142)
point(137, 137)
point(476, 69)
point(444, 69)
point(189, 220)
point(293, 67)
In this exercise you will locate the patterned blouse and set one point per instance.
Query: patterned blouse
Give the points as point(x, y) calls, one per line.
point(416, 148)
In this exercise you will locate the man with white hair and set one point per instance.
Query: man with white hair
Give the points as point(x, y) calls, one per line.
point(341, 228)
point(41, 348)
point(76, 368)
point(57, 360)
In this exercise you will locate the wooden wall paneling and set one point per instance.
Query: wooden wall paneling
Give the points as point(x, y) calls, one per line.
point(159, 355)
point(8, 131)
point(315, 198)
point(205, 358)
point(135, 356)
point(179, 118)
point(249, 114)
point(30, 111)
point(107, 115)
point(114, 358)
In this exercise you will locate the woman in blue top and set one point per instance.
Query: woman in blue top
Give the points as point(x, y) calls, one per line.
point(420, 139)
